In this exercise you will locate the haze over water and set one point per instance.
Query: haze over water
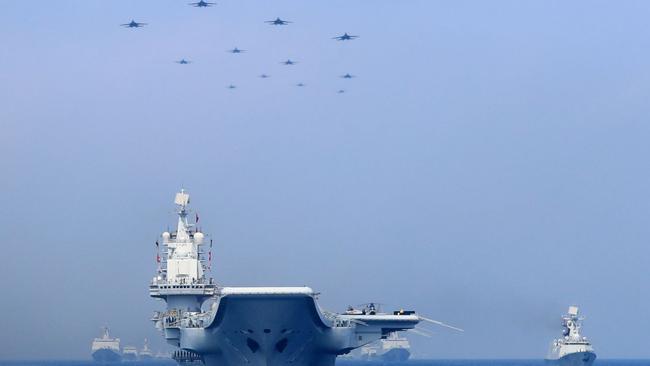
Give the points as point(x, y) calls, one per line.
point(487, 167)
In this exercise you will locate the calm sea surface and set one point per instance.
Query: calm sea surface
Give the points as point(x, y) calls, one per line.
point(599, 362)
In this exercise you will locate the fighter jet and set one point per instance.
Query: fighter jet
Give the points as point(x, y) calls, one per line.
point(347, 76)
point(183, 62)
point(289, 62)
point(201, 4)
point(341, 91)
point(264, 76)
point(133, 24)
point(300, 84)
point(236, 50)
point(345, 37)
point(277, 21)
point(231, 86)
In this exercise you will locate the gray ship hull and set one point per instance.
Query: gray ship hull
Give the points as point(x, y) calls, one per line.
point(573, 359)
point(264, 331)
point(253, 329)
point(106, 355)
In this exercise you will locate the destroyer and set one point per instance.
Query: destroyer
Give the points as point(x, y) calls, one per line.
point(572, 349)
point(145, 353)
point(105, 348)
point(251, 325)
point(392, 349)
point(129, 353)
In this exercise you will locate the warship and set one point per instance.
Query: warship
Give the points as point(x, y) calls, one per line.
point(392, 349)
point(105, 348)
point(220, 325)
point(129, 353)
point(572, 349)
point(145, 353)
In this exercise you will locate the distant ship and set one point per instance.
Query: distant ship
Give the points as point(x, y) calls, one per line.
point(251, 326)
point(145, 353)
point(572, 349)
point(105, 348)
point(129, 353)
point(392, 349)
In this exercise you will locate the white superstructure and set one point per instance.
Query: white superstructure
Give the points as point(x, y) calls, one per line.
point(106, 342)
point(572, 349)
point(182, 267)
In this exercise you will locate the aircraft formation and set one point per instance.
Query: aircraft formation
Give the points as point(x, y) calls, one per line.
point(274, 22)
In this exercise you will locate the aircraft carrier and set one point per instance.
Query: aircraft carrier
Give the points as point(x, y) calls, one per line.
point(572, 349)
point(220, 325)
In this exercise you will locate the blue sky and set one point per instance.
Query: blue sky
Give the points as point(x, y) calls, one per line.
point(486, 167)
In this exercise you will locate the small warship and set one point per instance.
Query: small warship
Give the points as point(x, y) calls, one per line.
point(392, 349)
point(105, 348)
point(129, 353)
point(572, 349)
point(145, 353)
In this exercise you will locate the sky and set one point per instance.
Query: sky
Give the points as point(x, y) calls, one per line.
point(487, 166)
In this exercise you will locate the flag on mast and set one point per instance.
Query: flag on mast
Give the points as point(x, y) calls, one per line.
point(197, 217)
point(157, 245)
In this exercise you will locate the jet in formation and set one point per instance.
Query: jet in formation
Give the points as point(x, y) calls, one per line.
point(236, 50)
point(183, 62)
point(345, 37)
point(289, 62)
point(231, 86)
point(277, 21)
point(133, 24)
point(347, 76)
point(300, 84)
point(264, 76)
point(201, 4)
point(341, 91)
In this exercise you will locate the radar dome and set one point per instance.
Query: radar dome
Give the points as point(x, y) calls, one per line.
point(165, 236)
point(198, 238)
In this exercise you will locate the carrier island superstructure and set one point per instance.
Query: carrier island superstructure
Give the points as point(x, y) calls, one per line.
point(251, 325)
point(572, 349)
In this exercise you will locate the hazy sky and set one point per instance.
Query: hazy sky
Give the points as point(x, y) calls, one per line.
point(487, 166)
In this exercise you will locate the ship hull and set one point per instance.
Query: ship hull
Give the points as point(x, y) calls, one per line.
point(265, 331)
point(574, 359)
point(106, 356)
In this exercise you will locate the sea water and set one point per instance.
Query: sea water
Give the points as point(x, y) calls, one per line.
point(341, 362)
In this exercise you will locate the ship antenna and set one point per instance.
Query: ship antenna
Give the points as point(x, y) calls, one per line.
point(182, 200)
